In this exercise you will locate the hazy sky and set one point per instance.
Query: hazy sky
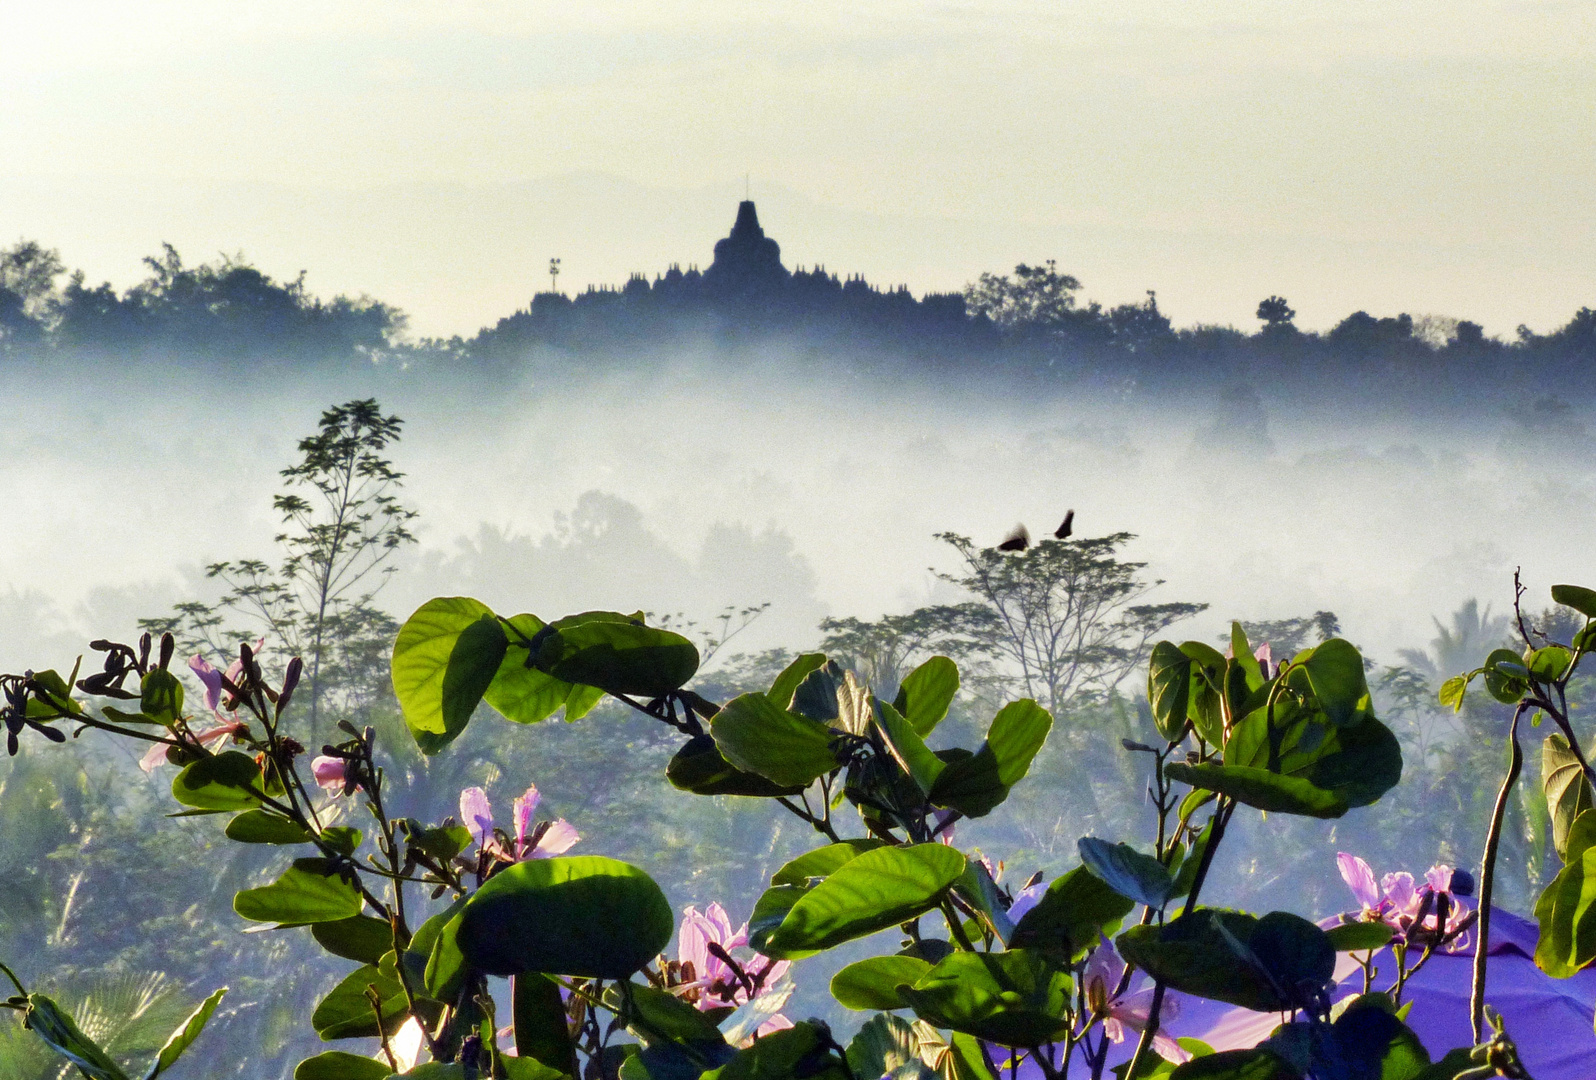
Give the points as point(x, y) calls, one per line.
point(1435, 156)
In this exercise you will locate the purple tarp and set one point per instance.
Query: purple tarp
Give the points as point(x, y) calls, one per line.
point(1550, 1019)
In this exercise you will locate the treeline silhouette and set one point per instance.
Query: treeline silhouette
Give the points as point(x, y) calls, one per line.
point(1033, 321)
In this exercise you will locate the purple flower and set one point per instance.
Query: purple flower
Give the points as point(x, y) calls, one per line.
point(708, 981)
point(1360, 879)
point(1128, 1011)
point(1026, 899)
point(331, 773)
point(211, 677)
point(530, 842)
point(1431, 911)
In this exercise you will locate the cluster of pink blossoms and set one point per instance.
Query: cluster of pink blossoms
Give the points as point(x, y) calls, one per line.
point(224, 727)
point(707, 975)
point(1430, 914)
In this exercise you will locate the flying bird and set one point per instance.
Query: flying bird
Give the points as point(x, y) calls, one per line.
point(1018, 540)
point(1063, 531)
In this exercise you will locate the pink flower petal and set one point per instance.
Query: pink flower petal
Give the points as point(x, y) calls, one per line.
point(1360, 879)
point(692, 941)
point(212, 679)
point(775, 1023)
point(220, 731)
point(1439, 877)
point(476, 815)
point(153, 758)
point(557, 839)
point(522, 810)
point(1398, 889)
point(330, 773)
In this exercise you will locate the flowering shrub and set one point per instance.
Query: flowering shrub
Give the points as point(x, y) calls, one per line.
point(1062, 977)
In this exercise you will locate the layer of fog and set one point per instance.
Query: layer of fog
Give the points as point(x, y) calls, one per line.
point(687, 487)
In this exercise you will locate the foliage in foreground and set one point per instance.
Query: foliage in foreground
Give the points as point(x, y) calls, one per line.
point(433, 912)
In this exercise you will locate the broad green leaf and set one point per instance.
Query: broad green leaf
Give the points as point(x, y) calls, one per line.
point(1261, 789)
point(1243, 658)
point(526, 1068)
point(1254, 1064)
point(823, 861)
point(1359, 936)
point(976, 887)
point(878, 889)
point(1506, 677)
point(618, 655)
point(1581, 835)
point(341, 1065)
point(360, 938)
point(907, 748)
point(439, 940)
point(343, 839)
point(1549, 664)
point(346, 1012)
point(421, 662)
point(1207, 683)
point(700, 767)
point(161, 696)
point(181, 1039)
point(1356, 765)
point(542, 1030)
point(1453, 691)
point(1169, 689)
point(1566, 911)
point(56, 696)
point(1075, 910)
point(770, 910)
point(887, 1046)
point(474, 661)
point(924, 696)
point(526, 695)
point(657, 1016)
point(964, 1060)
point(1568, 792)
point(816, 696)
point(1335, 672)
point(264, 827)
point(873, 983)
point(582, 915)
point(777, 1056)
point(975, 785)
point(1581, 599)
point(56, 1027)
point(223, 782)
point(1015, 998)
point(1127, 871)
point(787, 683)
point(1233, 957)
point(1017, 733)
point(309, 891)
point(757, 737)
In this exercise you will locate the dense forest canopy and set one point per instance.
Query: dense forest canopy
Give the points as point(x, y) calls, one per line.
point(1034, 317)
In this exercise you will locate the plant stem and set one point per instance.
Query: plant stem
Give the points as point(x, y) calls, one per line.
point(1488, 874)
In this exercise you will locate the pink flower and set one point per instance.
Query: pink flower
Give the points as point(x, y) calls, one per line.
point(708, 981)
point(331, 773)
point(211, 677)
point(530, 842)
point(156, 755)
point(1360, 879)
point(1430, 912)
point(1130, 1011)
